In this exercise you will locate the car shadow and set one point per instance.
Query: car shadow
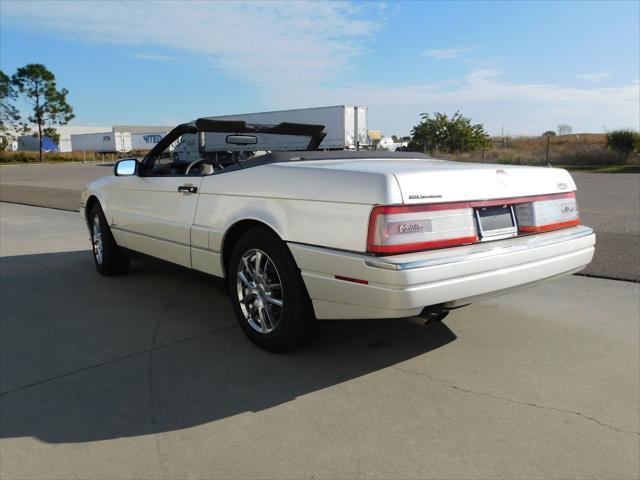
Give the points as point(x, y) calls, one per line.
point(86, 357)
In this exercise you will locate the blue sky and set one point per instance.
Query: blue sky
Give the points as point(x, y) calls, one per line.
point(527, 66)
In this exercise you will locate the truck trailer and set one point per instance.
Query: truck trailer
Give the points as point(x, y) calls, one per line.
point(346, 127)
point(146, 141)
point(31, 143)
point(105, 142)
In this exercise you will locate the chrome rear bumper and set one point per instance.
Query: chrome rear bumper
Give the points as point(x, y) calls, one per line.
point(479, 250)
point(402, 285)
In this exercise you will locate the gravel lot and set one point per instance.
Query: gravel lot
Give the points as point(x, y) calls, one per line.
point(148, 376)
point(609, 203)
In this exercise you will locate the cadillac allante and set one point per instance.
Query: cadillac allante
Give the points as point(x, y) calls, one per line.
point(302, 235)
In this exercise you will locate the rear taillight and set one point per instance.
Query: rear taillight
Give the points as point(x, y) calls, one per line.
point(549, 213)
point(409, 228)
point(401, 229)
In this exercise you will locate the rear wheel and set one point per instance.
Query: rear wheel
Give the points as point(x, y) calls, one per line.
point(267, 292)
point(107, 255)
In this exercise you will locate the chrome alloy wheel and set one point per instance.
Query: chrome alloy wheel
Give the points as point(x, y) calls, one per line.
point(259, 291)
point(96, 233)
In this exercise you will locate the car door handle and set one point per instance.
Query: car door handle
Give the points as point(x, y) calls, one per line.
point(187, 189)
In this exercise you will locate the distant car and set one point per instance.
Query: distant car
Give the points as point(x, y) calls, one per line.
point(311, 235)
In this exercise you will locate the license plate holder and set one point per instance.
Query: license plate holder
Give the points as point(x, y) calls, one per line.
point(495, 222)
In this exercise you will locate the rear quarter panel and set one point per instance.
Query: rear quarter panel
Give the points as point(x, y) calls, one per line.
point(304, 205)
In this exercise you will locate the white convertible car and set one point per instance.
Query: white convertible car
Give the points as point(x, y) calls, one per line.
point(312, 235)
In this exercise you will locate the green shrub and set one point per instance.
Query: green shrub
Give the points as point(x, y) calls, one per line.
point(623, 142)
point(455, 134)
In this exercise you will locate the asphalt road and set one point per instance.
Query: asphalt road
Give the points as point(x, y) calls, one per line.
point(49, 185)
point(609, 203)
point(148, 376)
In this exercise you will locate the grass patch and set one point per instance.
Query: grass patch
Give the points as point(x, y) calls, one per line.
point(20, 158)
point(567, 150)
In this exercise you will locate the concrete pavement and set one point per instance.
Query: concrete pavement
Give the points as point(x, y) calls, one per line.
point(148, 376)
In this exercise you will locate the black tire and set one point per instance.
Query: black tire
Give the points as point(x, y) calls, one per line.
point(112, 261)
point(296, 321)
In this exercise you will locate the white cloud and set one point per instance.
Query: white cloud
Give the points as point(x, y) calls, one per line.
point(594, 77)
point(449, 53)
point(523, 108)
point(153, 57)
point(265, 43)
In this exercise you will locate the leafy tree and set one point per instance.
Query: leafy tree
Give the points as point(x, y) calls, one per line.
point(455, 134)
point(623, 142)
point(9, 115)
point(52, 133)
point(38, 86)
point(549, 133)
point(564, 129)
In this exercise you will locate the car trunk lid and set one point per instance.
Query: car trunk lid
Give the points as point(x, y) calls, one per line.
point(436, 181)
point(457, 181)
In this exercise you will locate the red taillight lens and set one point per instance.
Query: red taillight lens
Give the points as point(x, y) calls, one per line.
point(401, 229)
point(548, 213)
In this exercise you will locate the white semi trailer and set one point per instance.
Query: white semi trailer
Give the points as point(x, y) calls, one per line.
point(346, 127)
point(32, 143)
point(105, 142)
point(146, 141)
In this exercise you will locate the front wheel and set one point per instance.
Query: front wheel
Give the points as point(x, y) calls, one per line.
point(267, 292)
point(107, 255)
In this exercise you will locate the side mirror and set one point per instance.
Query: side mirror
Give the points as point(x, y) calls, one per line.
point(126, 167)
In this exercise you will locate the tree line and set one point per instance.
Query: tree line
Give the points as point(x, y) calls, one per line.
point(34, 88)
